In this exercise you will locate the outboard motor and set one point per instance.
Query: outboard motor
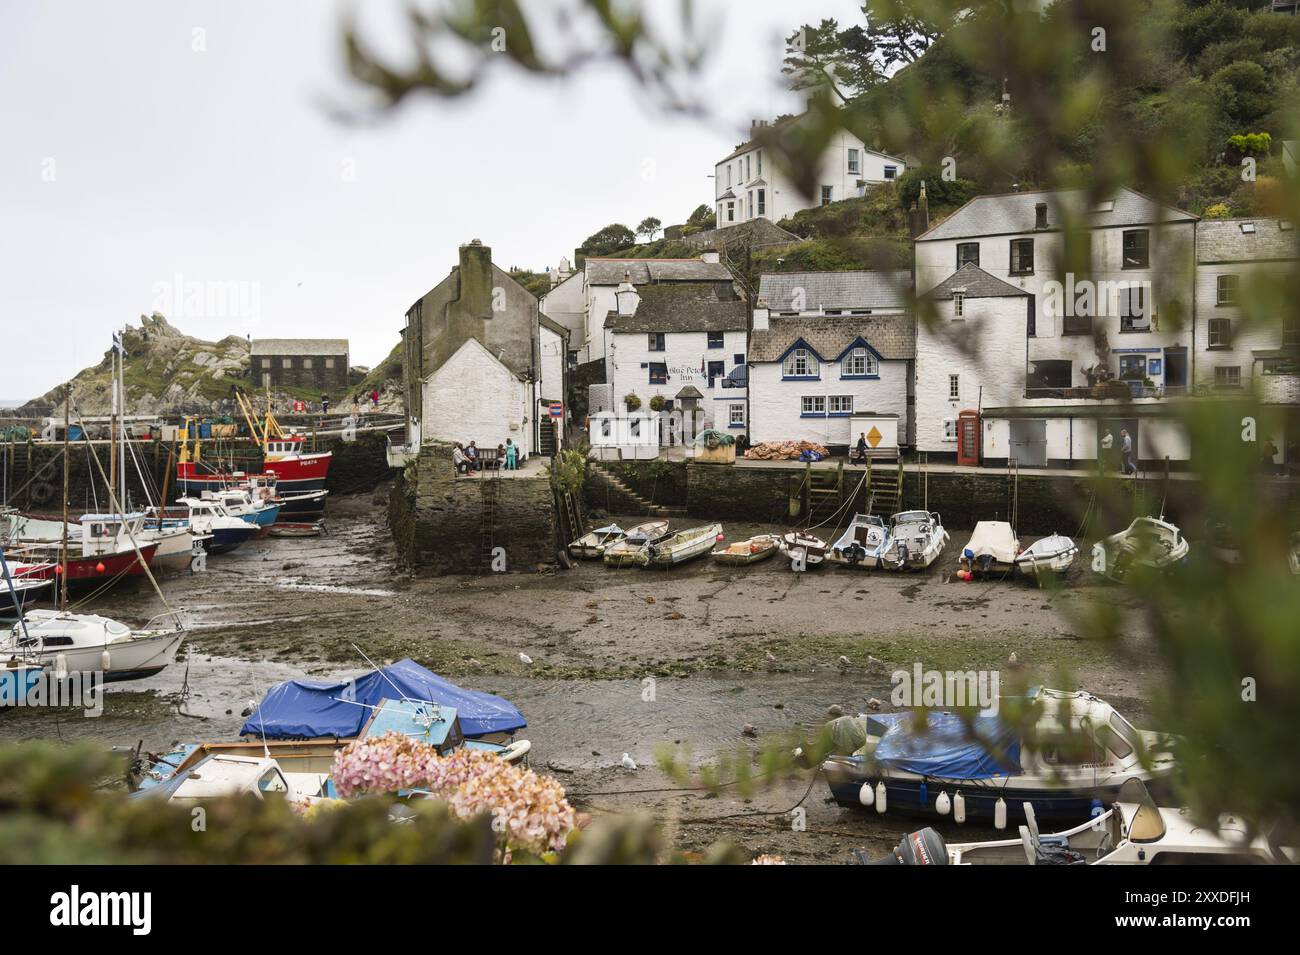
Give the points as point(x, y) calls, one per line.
point(923, 847)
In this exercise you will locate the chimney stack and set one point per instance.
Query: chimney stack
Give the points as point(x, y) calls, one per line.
point(760, 315)
point(626, 295)
point(476, 279)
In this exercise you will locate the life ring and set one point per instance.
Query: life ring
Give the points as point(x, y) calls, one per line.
point(41, 493)
point(45, 472)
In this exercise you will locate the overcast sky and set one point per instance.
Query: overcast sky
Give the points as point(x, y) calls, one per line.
point(132, 164)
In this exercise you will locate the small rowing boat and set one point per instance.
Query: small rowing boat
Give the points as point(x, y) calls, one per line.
point(1047, 557)
point(291, 529)
point(591, 546)
point(749, 551)
point(633, 550)
point(803, 549)
point(683, 546)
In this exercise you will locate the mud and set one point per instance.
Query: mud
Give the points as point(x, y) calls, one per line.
point(623, 661)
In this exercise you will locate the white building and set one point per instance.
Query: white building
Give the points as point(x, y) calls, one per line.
point(581, 301)
point(1236, 351)
point(747, 184)
point(683, 344)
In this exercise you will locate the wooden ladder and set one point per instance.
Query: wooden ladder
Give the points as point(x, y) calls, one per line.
point(884, 487)
point(489, 490)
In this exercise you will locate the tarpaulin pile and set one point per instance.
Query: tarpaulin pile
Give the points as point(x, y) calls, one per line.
point(786, 451)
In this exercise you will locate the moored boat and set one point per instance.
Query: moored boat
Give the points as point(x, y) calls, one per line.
point(1047, 556)
point(863, 542)
point(74, 642)
point(591, 545)
point(749, 551)
point(684, 545)
point(804, 549)
point(1079, 751)
point(916, 538)
point(296, 529)
point(1149, 542)
point(633, 549)
point(991, 550)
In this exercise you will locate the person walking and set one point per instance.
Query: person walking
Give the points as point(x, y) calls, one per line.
point(1107, 445)
point(374, 399)
point(324, 404)
point(1126, 450)
point(862, 448)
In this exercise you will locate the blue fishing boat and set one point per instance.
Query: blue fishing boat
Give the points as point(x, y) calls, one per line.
point(1075, 757)
point(221, 531)
point(242, 504)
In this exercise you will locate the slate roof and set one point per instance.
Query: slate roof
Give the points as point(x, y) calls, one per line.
point(300, 346)
point(1014, 213)
point(682, 308)
point(863, 289)
point(892, 336)
point(547, 322)
point(779, 123)
point(1221, 240)
point(974, 283)
point(602, 271)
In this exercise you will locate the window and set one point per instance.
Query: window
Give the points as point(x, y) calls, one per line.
point(329, 362)
point(306, 364)
point(747, 176)
point(728, 175)
point(749, 213)
point(715, 339)
point(731, 212)
point(812, 405)
point(841, 404)
point(959, 304)
point(606, 428)
point(1220, 333)
point(1227, 376)
point(736, 416)
point(1133, 310)
point(860, 362)
point(801, 363)
point(1226, 290)
point(950, 429)
point(968, 252)
point(1076, 325)
point(760, 162)
point(1137, 251)
point(716, 370)
point(855, 162)
point(738, 359)
point(287, 363)
point(891, 172)
point(266, 363)
point(1133, 367)
point(655, 341)
point(1022, 256)
point(658, 373)
point(634, 428)
point(762, 202)
point(827, 195)
point(954, 387)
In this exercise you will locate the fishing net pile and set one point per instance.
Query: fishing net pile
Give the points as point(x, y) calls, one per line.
point(784, 450)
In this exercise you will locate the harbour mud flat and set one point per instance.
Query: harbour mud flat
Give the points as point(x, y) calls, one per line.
point(623, 661)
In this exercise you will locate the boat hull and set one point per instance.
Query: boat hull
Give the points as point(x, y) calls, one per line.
point(140, 657)
point(904, 798)
point(85, 571)
point(226, 539)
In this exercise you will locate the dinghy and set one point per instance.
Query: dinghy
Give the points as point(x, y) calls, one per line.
point(591, 546)
point(1079, 751)
point(296, 529)
point(1149, 542)
point(991, 550)
point(633, 550)
point(749, 551)
point(1046, 557)
point(1133, 831)
point(803, 549)
point(83, 642)
point(916, 538)
point(683, 546)
point(863, 542)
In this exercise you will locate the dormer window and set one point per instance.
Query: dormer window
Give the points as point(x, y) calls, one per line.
point(860, 362)
point(800, 363)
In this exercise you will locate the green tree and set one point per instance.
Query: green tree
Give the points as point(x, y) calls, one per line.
point(608, 240)
point(649, 227)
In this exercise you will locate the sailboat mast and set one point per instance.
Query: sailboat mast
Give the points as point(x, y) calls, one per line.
point(67, 423)
point(112, 427)
point(121, 404)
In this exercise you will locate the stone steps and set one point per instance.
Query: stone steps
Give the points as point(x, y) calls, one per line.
point(639, 503)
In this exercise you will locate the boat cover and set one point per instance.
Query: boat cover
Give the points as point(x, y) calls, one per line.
point(950, 749)
point(994, 538)
point(306, 709)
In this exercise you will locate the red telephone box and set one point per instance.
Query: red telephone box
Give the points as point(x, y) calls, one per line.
point(968, 438)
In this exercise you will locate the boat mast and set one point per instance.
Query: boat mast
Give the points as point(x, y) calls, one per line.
point(63, 557)
point(112, 426)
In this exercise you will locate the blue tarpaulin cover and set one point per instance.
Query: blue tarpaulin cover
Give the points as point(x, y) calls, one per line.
point(949, 748)
point(304, 709)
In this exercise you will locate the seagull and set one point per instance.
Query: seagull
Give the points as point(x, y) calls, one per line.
point(628, 763)
point(525, 658)
point(749, 730)
point(844, 661)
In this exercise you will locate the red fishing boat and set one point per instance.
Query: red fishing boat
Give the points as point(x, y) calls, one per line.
point(91, 568)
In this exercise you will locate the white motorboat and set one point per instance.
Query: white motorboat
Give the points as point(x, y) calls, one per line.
point(991, 550)
point(77, 642)
point(916, 538)
point(1149, 542)
point(863, 542)
point(803, 549)
point(1047, 556)
point(1133, 831)
point(634, 549)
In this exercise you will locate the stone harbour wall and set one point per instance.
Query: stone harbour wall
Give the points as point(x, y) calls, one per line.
point(437, 518)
